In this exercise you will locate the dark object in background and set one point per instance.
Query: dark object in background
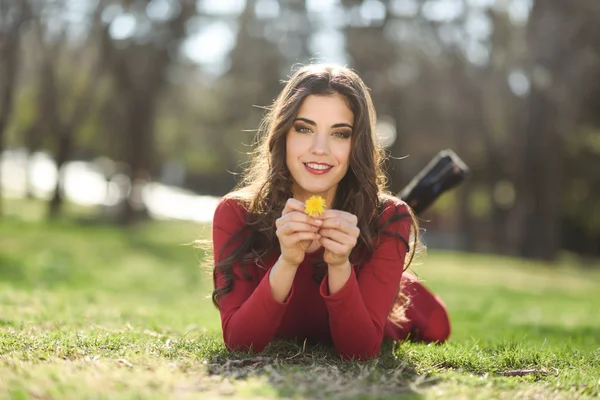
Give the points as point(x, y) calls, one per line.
point(443, 173)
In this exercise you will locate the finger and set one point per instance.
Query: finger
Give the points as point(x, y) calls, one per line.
point(341, 225)
point(334, 247)
point(338, 237)
point(331, 214)
point(292, 227)
point(292, 205)
point(291, 240)
point(296, 216)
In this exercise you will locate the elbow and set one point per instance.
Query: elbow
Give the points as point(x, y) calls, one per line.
point(436, 337)
point(241, 344)
point(364, 346)
point(358, 356)
point(439, 328)
point(243, 348)
point(360, 353)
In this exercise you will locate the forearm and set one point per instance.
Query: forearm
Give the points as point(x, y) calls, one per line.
point(348, 313)
point(337, 276)
point(250, 323)
point(281, 278)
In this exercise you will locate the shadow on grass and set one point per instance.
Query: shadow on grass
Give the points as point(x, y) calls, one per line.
point(47, 268)
point(134, 236)
point(317, 372)
point(12, 269)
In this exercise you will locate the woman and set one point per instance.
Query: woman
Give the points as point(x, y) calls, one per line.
point(335, 277)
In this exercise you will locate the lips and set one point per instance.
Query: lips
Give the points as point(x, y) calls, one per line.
point(317, 168)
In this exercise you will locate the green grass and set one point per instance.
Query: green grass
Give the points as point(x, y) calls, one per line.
point(91, 311)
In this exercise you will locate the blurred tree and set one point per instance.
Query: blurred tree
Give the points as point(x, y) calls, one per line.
point(559, 35)
point(65, 96)
point(448, 80)
point(511, 91)
point(138, 60)
point(581, 230)
point(13, 17)
point(417, 71)
point(374, 54)
point(250, 84)
point(487, 116)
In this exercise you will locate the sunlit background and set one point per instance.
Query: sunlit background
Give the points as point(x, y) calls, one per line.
point(138, 109)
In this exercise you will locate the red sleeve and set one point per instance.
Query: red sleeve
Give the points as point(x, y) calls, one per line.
point(359, 310)
point(249, 313)
point(426, 312)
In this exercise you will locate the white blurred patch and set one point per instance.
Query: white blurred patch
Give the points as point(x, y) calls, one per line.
point(85, 183)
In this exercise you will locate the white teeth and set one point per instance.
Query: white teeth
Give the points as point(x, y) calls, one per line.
point(318, 166)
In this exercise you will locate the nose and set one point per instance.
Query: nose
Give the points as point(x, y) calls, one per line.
point(320, 145)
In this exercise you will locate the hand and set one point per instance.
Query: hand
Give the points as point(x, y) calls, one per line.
point(339, 235)
point(296, 231)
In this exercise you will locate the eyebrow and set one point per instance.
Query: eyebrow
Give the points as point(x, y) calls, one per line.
point(313, 123)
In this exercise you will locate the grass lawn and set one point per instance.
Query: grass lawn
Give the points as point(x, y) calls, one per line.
point(91, 311)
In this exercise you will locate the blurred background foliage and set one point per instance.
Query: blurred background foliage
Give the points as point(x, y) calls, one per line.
point(143, 107)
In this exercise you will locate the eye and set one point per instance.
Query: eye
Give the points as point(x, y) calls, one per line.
point(302, 129)
point(341, 134)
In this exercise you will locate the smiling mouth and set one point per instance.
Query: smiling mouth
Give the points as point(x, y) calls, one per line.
point(317, 168)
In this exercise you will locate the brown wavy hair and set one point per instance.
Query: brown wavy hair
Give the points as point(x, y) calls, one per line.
point(267, 183)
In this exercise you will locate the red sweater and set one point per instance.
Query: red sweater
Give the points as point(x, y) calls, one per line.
point(354, 319)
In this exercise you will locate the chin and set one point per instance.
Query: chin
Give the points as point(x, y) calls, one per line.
point(312, 189)
point(316, 189)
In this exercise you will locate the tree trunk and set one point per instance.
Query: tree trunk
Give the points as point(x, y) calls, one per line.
point(32, 136)
point(542, 172)
point(466, 223)
point(495, 168)
point(9, 61)
point(140, 75)
point(556, 39)
point(139, 154)
point(63, 152)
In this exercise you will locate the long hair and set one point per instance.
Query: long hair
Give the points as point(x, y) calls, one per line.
point(267, 183)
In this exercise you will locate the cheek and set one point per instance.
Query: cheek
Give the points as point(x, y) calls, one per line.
point(291, 152)
point(295, 146)
point(343, 154)
point(289, 147)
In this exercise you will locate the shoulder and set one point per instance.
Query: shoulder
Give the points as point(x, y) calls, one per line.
point(395, 219)
point(229, 204)
point(391, 207)
point(230, 210)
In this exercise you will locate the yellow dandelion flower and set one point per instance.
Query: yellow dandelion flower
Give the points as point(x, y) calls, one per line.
point(314, 206)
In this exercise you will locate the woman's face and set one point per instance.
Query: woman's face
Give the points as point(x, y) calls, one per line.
point(318, 146)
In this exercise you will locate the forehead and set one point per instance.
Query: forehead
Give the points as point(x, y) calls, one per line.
point(326, 108)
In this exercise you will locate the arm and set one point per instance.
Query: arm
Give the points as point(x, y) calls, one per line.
point(281, 278)
point(337, 276)
point(250, 314)
point(252, 311)
point(358, 311)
